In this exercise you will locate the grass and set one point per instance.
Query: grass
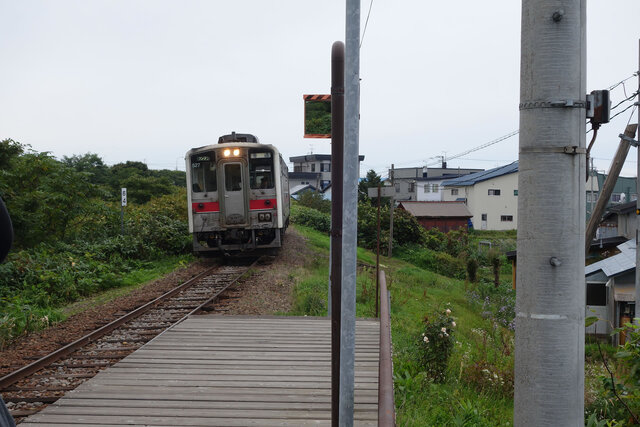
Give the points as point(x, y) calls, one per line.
point(129, 282)
point(416, 293)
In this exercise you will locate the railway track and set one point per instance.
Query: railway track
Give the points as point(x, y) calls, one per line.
point(29, 389)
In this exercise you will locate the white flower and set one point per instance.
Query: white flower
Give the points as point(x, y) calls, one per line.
point(448, 312)
point(423, 334)
point(444, 330)
point(453, 324)
point(425, 339)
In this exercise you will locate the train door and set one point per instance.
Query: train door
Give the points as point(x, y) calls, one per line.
point(234, 197)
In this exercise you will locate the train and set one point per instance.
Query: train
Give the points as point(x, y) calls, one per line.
point(238, 196)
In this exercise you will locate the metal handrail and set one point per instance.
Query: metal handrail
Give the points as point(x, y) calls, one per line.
point(386, 406)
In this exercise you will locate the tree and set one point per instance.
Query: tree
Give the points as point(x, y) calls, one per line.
point(9, 149)
point(90, 163)
point(371, 180)
point(44, 196)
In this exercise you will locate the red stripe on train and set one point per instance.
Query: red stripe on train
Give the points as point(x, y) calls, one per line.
point(262, 204)
point(206, 207)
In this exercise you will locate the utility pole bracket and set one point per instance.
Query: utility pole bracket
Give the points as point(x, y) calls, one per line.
point(565, 103)
point(567, 149)
point(628, 139)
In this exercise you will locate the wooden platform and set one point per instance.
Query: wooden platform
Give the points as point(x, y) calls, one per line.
point(225, 371)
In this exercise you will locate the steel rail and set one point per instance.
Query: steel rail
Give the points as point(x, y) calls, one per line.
point(212, 298)
point(386, 407)
point(31, 368)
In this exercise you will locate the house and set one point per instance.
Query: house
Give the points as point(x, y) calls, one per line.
point(611, 289)
point(312, 169)
point(626, 220)
point(444, 216)
point(424, 183)
point(623, 192)
point(297, 190)
point(491, 196)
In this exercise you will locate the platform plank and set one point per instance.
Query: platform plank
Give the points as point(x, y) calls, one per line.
point(225, 371)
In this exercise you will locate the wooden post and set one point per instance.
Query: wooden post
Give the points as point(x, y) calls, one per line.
point(607, 187)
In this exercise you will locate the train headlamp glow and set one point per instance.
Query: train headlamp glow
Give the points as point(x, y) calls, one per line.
point(236, 152)
point(226, 152)
point(264, 216)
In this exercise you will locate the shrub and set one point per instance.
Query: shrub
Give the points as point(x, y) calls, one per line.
point(472, 269)
point(309, 217)
point(436, 345)
point(438, 262)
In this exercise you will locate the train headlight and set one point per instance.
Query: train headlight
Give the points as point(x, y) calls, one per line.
point(236, 152)
point(226, 152)
point(264, 217)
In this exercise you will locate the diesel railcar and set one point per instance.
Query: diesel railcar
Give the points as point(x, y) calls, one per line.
point(238, 195)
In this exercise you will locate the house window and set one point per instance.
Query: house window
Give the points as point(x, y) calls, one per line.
point(297, 168)
point(506, 218)
point(412, 187)
point(484, 217)
point(427, 188)
point(313, 167)
point(493, 192)
point(325, 167)
point(596, 294)
point(454, 191)
point(397, 188)
point(435, 188)
point(515, 192)
point(615, 198)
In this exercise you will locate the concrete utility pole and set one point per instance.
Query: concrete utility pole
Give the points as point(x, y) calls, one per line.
point(550, 292)
point(350, 211)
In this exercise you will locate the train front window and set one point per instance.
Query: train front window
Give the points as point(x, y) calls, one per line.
point(233, 177)
point(203, 172)
point(261, 169)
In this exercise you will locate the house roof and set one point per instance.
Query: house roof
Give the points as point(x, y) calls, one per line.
point(474, 178)
point(623, 184)
point(299, 188)
point(315, 158)
point(436, 209)
point(617, 264)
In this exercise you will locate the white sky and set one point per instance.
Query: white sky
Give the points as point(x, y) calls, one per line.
point(147, 80)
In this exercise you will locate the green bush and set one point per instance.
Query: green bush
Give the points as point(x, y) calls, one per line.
point(310, 217)
point(438, 262)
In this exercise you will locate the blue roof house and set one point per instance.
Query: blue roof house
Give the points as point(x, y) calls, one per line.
point(491, 196)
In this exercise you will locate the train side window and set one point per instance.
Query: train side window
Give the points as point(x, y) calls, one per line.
point(203, 173)
point(261, 169)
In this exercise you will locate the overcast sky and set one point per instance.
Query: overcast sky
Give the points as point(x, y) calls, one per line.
point(147, 80)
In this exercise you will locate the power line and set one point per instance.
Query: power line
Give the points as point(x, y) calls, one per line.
point(366, 23)
point(621, 82)
point(480, 147)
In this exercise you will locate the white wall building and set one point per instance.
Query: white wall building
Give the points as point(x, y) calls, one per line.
point(491, 196)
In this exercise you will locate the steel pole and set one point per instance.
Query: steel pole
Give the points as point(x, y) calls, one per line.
point(337, 152)
point(378, 253)
point(350, 211)
point(550, 291)
point(391, 208)
point(637, 281)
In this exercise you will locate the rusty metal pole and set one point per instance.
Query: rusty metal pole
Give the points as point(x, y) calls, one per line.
point(378, 255)
point(337, 183)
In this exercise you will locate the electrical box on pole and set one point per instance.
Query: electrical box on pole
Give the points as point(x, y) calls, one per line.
point(598, 107)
